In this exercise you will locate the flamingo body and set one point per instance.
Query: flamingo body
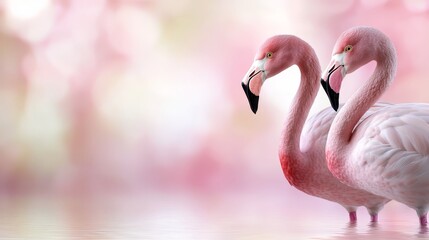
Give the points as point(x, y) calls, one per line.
point(387, 152)
point(391, 154)
point(314, 177)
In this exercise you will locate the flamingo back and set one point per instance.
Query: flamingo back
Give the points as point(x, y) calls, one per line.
point(391, 148)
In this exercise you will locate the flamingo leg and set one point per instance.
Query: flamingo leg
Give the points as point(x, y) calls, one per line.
point(352, 216)
point(423, 220)
point(374, 217)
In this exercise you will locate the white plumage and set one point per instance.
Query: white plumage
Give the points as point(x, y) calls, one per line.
point(393, 152)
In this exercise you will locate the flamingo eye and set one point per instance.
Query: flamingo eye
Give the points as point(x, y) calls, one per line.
point(348, 48)
point(269, 55)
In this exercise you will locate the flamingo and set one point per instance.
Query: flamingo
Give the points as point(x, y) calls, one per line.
point(302, 152)
point(387, 153)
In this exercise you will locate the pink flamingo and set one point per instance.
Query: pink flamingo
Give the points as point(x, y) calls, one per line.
point(388, 152)
point(303, 163)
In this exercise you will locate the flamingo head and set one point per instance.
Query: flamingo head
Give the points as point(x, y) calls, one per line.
point(353, 49)
point(275, 55)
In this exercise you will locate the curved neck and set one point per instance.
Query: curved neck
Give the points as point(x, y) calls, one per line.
point(349, 115)
point(301, 104)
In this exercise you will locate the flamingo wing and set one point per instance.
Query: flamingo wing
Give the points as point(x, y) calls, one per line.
point(391, 147)
point(316, 128)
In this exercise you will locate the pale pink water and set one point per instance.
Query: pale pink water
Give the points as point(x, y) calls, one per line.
point(178, 216)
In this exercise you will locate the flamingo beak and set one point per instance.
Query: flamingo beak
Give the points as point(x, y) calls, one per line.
point(252, 84)
point(252, 98)
point(334, 75)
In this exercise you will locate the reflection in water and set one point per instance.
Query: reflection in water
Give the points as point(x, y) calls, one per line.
point(423, 230)
point(176, 216)
point(384, 230)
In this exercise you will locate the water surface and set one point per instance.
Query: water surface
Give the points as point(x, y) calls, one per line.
point(175, 216)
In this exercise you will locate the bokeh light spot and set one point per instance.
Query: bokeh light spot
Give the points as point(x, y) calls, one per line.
point(24, 9)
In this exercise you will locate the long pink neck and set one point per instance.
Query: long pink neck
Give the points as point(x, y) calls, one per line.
point(341, 132)
point(290, 154)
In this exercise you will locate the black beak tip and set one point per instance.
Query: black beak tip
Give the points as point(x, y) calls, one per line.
point(334, 99)
point(254, 109)
point(252, 98)
point(332, 95)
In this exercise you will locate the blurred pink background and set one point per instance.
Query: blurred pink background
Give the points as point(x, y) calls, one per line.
point(144, 96)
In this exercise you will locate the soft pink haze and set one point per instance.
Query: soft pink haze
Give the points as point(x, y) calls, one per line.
point(125, 97)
